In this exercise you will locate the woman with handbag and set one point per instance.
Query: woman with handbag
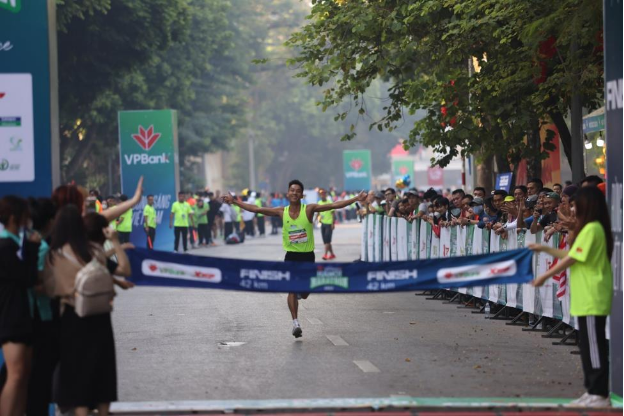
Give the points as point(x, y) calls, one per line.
point(88, 373)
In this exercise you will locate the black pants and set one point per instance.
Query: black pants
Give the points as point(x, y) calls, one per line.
point(228, 228)
point(249, 228)
point(203, 234)
point(192, 234)
point(211, 225)
point(307, 257)
point(260, 225)
point(151, 237)
point(594, 354)
point(274, 225)
point(326, 233)
point(123, 237)
point(180, 232)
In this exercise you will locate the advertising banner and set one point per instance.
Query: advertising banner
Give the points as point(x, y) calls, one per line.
point(503, 181)
point(357, 169)
point(402, 167)
point(435, 176)
point(29, 160)
point(613, 108)
point(148, 146)
point(154, 268)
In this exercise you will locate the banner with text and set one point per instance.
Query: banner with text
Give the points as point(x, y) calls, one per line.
point(357, 169)
point(154, 268)
point(148, 144)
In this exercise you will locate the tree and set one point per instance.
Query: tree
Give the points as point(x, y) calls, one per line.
point(424, 47)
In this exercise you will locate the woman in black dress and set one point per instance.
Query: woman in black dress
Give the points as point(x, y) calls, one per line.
point(88, 372)
point(18, 272)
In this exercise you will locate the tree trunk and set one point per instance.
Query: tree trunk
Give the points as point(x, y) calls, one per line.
point(81, 154)
point(564, 134)
point(534, 165)
point(484, 173)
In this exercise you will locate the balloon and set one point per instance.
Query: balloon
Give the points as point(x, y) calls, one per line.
point(407, 180)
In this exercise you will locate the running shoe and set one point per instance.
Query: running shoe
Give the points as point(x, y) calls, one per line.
point(579, 401)
point(297, 331)
point(325, 257)
point(594, 400)
point(331, 257)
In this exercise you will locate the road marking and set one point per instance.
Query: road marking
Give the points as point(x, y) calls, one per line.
point(366, 366)
point(314, 321)
point(337, 341)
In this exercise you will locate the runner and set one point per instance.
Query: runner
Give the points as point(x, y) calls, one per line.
point(327, 220)
point(149, 222)
point(297, 232)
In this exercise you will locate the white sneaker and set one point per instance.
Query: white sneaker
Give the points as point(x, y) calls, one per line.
point(297, 331)
point(594, 400)
point(579, 401)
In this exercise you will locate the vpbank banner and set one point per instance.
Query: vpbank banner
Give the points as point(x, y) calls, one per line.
point(148, 146)
point(357, 169)
point(154, 268)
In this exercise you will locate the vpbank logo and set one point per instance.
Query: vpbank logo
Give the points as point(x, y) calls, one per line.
point(477, 272)
point(356, 164)
point(146, 138)
point(11, 5)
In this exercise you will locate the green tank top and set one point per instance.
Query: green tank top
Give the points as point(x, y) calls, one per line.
point(327, 217)
point(258, 203)
point(238, 212)
point(125, 226)
point(297, 234)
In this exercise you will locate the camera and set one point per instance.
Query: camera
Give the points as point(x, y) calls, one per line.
point(530, 203)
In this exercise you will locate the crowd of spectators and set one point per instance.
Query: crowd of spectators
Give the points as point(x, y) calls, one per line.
point(531, 207)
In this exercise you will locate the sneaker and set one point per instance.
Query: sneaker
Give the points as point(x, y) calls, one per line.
point(579, 401)
point(297, 331)
point(213, 244)
point(594, 400)
point(331, 257)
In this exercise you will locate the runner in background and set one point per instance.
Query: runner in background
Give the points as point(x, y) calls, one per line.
point(149, 222)
point(297, 232)
point(327, 220)
point(124, 223)
point(200, 217)
point(260, 217)
point(181, 212)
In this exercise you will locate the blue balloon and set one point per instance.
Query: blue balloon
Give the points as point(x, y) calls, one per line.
point(407, 180)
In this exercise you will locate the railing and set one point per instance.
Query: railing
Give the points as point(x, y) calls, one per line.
point(395, 239)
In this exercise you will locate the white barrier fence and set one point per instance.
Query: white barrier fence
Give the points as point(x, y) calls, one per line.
point(395, 239)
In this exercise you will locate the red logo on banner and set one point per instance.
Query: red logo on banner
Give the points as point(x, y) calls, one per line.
point(356, 164)
point(435, 176)
point(2, 94)
point(146, 138)
point(403, 170)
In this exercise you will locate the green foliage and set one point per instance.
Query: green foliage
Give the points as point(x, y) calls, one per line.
point(423, 47)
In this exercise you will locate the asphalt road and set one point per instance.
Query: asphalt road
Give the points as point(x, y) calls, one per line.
point(172, 344)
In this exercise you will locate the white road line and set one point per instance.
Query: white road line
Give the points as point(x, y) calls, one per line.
point(337, 341)
point(314, 321)
point(366, 366)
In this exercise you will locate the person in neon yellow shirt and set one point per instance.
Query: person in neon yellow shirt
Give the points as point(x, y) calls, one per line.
point(297, 232)
point(124, 223)
point(149, 221)
point(591, 288)
point(328, 221)
point(181, 212)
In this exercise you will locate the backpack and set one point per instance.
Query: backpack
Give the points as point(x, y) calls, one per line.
point(94, 288)
point(232, 239)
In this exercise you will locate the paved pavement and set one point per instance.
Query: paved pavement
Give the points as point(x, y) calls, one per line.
point(191, 344)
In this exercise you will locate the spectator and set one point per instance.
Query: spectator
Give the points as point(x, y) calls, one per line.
point(498, 197)
point(200, 217)
point(558, 188)
point(18, 272)
point(475, 211)
point(591, 289)
point(213, 210)
point(428, 197)
point(534, 186)
point(456, 202)
point(479, 192)
point(229, 216)
point(490, 215)
point(591, 180)
point(547, 215)
point(520, 192)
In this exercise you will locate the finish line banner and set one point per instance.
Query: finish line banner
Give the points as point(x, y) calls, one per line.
point(156, 268)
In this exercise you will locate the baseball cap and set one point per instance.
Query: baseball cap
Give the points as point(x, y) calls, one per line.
point(379, 194)
point(476, 201)
point(412, 192)
point(509, 198)
point(553, 195)
point(570, 190)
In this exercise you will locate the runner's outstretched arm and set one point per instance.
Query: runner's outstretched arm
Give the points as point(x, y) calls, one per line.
point(114, 212)
point(339, 204)
point(269, 212)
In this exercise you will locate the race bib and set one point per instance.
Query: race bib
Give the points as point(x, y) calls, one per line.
point(297, 236)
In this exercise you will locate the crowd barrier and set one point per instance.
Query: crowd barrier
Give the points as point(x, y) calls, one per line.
point(395, 239)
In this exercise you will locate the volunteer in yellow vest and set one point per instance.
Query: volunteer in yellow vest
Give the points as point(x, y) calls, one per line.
point(149, 221)
point(200, 216)
point(124, 223)
point(297, 232)
point(260, 217)
point(181, 212)
point(591, 288)
point(327, 221)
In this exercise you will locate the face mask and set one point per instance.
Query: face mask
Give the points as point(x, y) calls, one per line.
point(455, 212)
point(436, 214)
point(477, 209)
